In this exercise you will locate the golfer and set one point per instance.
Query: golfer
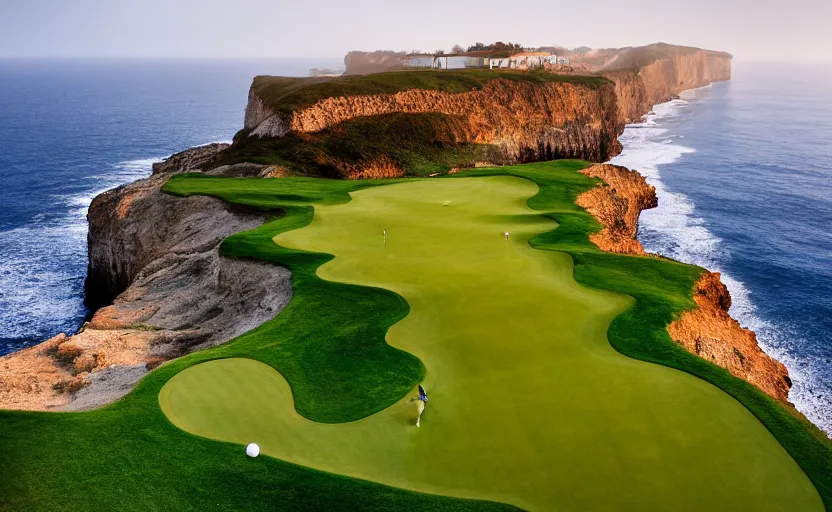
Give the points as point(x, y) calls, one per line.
point(421, 401)
point(506, 234)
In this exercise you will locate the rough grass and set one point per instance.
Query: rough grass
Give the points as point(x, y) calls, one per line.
point(283, 94)
point(420, 144)
point(128, 455)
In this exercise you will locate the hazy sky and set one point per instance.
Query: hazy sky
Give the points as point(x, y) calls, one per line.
point(758, 30)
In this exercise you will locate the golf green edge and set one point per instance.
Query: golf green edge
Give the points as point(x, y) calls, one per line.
point(129, 454)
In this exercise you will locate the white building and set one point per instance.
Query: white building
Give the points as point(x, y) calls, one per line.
point(523, 60)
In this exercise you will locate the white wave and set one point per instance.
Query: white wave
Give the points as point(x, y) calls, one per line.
point(38, 289)
point(673, 229)
point(138, 166)
point(220, 141)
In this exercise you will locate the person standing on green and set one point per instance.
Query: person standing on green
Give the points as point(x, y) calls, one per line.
point(421, 401)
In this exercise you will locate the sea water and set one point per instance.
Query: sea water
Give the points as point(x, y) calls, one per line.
point(743, 171)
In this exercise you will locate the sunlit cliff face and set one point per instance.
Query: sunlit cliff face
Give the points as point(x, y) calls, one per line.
point(529, 122)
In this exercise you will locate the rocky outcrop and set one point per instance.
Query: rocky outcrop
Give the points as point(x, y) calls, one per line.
point(617, 203)
point(527, 121)
point(158, 256)
point(708, 330)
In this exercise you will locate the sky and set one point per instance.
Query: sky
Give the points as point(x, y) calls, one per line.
point(751, 30)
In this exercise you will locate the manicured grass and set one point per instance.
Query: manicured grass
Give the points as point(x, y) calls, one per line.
point(530, 405)
point(129, 456)
point(284, 94)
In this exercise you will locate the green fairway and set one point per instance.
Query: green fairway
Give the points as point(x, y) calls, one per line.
point(529, 403)
point(329, 345)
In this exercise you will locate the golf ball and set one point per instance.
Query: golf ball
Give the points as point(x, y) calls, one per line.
point(252, 450)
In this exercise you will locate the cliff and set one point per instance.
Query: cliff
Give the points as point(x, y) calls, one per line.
point(523, 117)
point(644, 75)
point(158, 257)
point(655, 74)
point(708, 330)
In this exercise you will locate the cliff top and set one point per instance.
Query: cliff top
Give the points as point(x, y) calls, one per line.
point(284, 94)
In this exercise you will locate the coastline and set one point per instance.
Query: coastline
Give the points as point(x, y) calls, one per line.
point(675, 230)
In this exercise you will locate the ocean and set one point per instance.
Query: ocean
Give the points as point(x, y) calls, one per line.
point(743, 170)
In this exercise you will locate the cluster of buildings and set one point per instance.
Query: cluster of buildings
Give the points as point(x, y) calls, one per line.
point(482, 59)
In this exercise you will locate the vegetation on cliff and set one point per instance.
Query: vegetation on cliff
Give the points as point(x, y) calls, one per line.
point(384, 146)
point(47, 457)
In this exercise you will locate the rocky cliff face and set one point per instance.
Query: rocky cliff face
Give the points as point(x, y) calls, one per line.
point(158, 255)
point(617, 204)
point(120, 243)
point(527, 121)
point(638, 90)
point(707, 331)
point(644, 75)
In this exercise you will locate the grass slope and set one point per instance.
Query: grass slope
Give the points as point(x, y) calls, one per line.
point(129, 456)
point(284, 94)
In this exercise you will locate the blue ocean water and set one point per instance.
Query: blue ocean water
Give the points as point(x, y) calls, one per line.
point(71, 129)
point(743, 169)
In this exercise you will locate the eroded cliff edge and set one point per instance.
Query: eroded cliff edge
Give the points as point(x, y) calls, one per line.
point(708, 330)
point(156, 258)
point(525, 117)
point(644, 75)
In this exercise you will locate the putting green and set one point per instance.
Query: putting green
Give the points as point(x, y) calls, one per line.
point(529, 404)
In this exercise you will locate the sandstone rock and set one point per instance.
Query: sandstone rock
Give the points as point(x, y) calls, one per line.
point(528, 122)
point(709, 332)
point(617, 204)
